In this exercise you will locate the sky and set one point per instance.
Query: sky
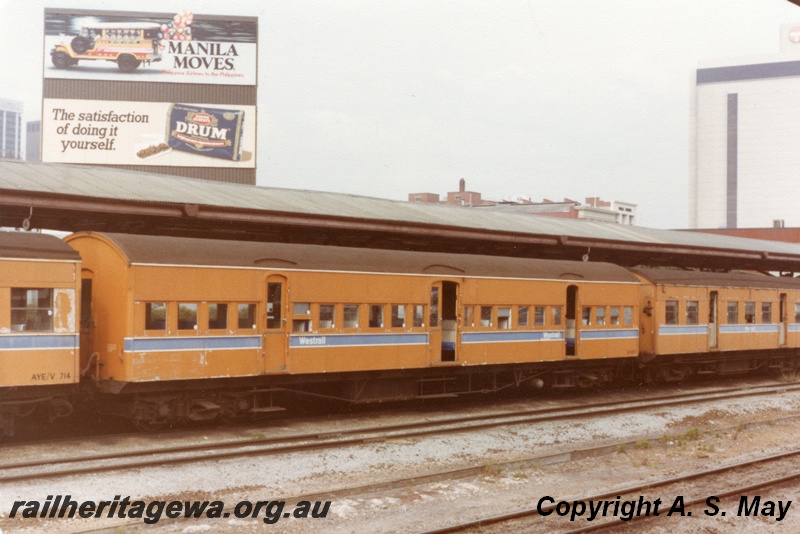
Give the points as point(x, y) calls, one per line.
point(521, 98)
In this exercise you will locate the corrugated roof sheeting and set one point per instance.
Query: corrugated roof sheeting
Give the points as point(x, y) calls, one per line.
point(128, 186)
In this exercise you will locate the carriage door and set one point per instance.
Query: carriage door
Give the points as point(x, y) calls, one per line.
point(276, 335)
point(571, 334)
point(87, 326)
point(444, 322)
point(713, 324)
point(784, 326)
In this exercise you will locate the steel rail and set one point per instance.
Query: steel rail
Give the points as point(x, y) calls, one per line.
point(358, 436)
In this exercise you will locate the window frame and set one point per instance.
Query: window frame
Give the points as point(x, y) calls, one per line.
point(692, 312)
point(672, 310)
point(328, 307)
point(766, 313)
point(750, 312)
point(523, 316)
point(225, 315)
point(349, 326)
point(250, 306)
point(732, 311)
point(188, 305)
point(36, 311)
point(505, 317)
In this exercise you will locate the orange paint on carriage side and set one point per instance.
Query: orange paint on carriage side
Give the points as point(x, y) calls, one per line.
point(607, 340)
point(39, 346)
point(688, 312)
point(322, 310)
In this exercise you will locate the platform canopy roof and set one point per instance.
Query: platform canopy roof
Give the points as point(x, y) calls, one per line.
point(72, 198)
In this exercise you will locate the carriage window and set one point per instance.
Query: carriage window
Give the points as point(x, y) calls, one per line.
point(539, 315)
point(586, 317)
point(32, 310)
point(600, 316)
point(733, 313)
point(797, 313)
point(486, 316)
point(556, 315)
point(750, 312)
point(398, 316)
point(351, 316)
point(692, 312)
point(326, 315)
point(247, 316)
point(503, 318)
point(613, 317)
point(627, 315)
point(522, 316)
point(671, 312)
point(155, 316)
point(301, 324)
point(419, 315)
point(187, 316)
point(469, 316)
point(376, 316)
point(217, 316)
point(766, 312)
point(274, 304)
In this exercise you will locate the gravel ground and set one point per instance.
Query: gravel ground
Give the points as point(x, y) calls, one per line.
point(696, 437)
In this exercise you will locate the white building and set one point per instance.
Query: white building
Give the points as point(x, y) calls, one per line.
point(746, 157)
point(11, 146)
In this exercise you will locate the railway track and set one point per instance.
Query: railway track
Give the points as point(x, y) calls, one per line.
point(138, 459)
point(406, 484)
point(550, 519)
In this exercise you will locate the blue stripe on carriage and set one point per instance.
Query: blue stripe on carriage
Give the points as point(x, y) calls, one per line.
point(38, 342)
point(157, 344)
point(357, 340)
point(749, 328)
point(510, 337)
point(794, 327)
point(628, 333)
point(675, 330)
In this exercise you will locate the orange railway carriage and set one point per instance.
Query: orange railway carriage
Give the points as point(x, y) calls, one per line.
point(39, 346)
point(205, 317)
point(705, 314)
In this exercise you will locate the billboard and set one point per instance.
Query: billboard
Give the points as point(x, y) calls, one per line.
point(175, 92)
point(148, 133)
point(179, 48)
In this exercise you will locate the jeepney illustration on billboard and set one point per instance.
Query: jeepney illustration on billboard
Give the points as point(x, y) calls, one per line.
point(154, 47)
point(128, 44)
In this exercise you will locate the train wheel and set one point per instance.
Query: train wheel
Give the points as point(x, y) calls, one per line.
point(653, 375)
point(586, 380)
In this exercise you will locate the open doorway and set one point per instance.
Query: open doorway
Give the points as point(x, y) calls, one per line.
point(572, 310)
point(449, 321)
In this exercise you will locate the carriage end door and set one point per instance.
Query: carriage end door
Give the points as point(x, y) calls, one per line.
point(276, 336)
